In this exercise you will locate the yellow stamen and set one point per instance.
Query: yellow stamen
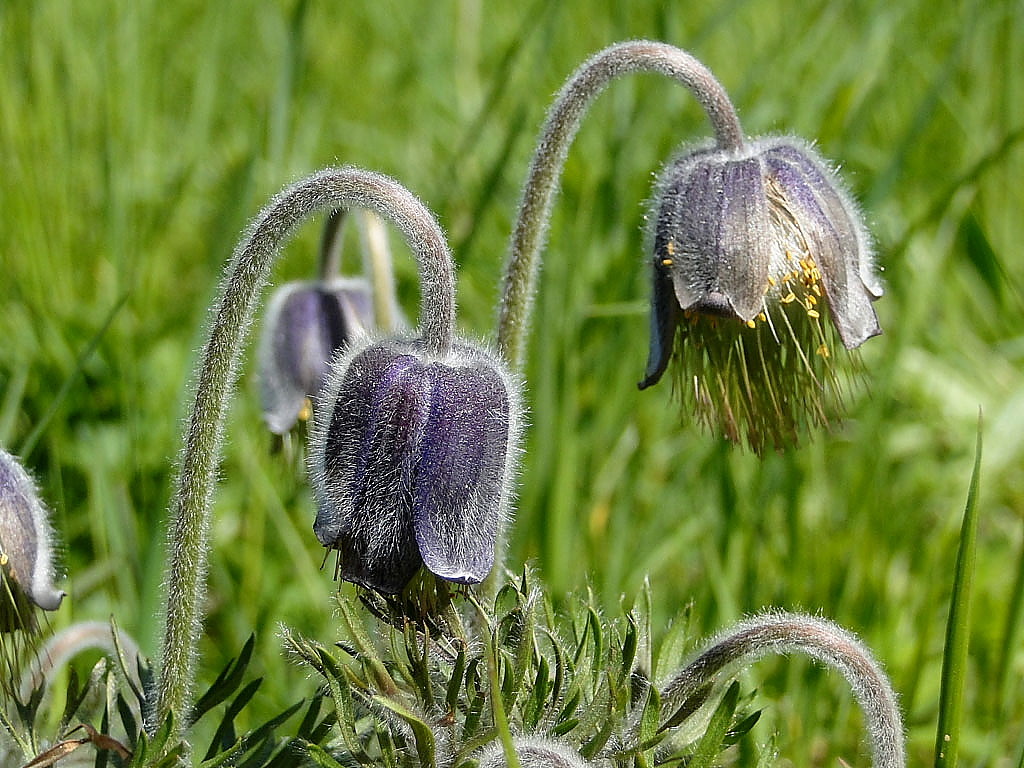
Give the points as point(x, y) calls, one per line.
point(671, 248)
point(751, 324)
point(813, 313)
point(823, 350)
point(306, 411)
point(666, 262)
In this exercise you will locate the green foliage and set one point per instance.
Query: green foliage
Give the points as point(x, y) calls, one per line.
point(414, 690)
point(139, 137)
point(111, 710)
point(954, 657)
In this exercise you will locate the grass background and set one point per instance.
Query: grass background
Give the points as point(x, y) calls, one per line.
point(137, 138)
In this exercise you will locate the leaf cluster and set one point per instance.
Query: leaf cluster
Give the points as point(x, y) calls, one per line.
point(438, 689)
point(111, 711)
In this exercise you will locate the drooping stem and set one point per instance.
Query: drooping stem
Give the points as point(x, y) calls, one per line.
point(245, 277)
point(78, 638)
point(786, 633)
point(560, 128)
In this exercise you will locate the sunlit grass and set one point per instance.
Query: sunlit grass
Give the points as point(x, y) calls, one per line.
point(137, 138)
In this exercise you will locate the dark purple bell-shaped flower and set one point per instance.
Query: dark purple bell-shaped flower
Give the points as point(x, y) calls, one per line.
point(307, 322)
point(412, 459)
point(753, 247)
point(26, 549)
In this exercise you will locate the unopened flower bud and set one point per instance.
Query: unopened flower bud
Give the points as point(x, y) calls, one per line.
point(412, 462)
point(753, 248)
point(26, 549)
point(307, 322)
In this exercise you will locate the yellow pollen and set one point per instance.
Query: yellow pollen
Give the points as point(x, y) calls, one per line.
point(811, 301)
point(762, 317)
point(306, 411)
point(788, 298)
point(666, 262)
point(813, 313)
point(751, 324)
point(822, 350)
point(816, 288)
point(771, 281)
point(671, 248)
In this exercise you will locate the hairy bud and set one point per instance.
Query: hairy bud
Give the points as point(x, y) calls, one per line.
point(307, 322)
point(412, 461)
point(26, 549)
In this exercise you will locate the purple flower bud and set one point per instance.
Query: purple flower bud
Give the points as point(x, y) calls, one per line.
point(752, 248)
point(307, 322)
point(26, 549)
point(412, 461)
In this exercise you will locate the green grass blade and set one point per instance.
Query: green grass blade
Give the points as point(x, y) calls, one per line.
point(29, 443)
point(954, 658)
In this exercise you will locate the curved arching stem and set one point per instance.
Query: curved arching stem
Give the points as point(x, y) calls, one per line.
point(246, 276)
point(560, 128)
point(825, 641)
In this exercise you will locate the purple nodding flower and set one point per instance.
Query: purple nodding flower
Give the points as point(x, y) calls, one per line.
point(752, 248)
point(412, 462)
point(307, 322)
point(26, 549)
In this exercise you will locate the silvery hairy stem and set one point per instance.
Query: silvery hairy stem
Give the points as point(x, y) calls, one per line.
point(246, 275)
point(560, 128)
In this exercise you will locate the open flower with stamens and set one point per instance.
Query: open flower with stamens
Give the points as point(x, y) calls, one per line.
point(760, 259)
point(762, 267)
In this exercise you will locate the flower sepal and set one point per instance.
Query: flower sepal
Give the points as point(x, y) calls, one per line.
point(412, 460)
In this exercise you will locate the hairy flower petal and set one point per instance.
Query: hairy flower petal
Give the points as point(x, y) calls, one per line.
point(307, 323)
point(411, 463)
point(26, 546)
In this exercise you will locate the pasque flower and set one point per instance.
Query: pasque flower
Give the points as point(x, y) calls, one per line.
point(755, 249)
point(308, 322)
point(759, 258)
point(26, 549)
point(217, 366)
point(412, 462)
